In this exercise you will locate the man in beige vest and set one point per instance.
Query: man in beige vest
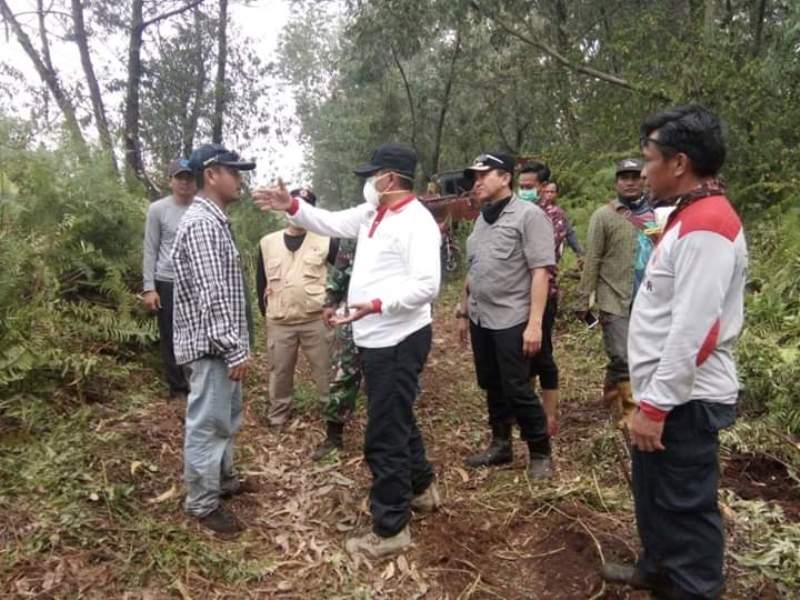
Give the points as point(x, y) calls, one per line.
point(292, 271)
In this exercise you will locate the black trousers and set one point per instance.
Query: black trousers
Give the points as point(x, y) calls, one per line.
point(176, 378)
point(675, 494)
point(393, 444)
point(505, 374)
point(543, 364)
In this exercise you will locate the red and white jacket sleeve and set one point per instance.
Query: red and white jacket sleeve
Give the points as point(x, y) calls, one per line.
point(703, 263)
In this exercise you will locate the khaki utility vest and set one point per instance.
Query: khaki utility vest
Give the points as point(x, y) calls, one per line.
point(295, 280)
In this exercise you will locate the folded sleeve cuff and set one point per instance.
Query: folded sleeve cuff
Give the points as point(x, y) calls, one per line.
point(236, 357)
point(653, 413)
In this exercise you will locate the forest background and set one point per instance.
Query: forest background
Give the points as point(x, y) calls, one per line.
point(565, 81)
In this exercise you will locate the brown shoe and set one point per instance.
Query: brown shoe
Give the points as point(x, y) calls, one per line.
point(375, 546)
point(222, 522)
point(428, 501)
point(180, 397)
point(626, 575)
point(246, 486)
point(540, 467)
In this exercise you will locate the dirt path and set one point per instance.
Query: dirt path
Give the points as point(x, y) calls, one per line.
point(497, 536)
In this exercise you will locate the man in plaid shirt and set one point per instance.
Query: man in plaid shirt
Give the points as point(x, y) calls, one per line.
point(211, 335)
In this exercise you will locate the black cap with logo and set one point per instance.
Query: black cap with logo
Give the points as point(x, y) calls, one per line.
point(209, 155)
point(630, 165)
point(400, 158)
point(489, 161)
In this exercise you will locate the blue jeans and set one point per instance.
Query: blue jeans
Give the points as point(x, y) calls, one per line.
point(213, 416)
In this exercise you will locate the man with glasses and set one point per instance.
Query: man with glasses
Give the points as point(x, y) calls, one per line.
point(163, 217)
point(618, 247)
point(685, 322)
point(509, 253)
point(211, 336)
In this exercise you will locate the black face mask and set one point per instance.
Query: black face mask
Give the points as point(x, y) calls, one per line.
point(633, 203)
point(491, 210)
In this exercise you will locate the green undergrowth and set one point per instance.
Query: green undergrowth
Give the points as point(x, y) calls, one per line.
point(74, 485)
point(773, 543)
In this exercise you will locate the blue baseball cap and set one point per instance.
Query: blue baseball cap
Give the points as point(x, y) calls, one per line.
point(209, 155)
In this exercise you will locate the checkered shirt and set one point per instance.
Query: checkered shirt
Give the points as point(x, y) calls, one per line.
point(210, 312)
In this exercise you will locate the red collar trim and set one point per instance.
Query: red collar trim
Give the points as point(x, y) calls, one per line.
point(401, 203)
point(384, 208)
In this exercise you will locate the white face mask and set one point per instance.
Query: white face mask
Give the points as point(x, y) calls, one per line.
point(371, 194)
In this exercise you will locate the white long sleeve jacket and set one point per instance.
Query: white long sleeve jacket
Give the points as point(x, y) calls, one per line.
point(396, 266)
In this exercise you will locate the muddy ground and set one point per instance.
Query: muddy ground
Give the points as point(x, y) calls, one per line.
point(497, 536)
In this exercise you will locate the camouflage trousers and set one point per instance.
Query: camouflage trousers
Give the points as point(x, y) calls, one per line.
point(346, 377)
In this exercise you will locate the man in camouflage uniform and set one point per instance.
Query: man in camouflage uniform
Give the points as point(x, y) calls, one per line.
point(346, 379)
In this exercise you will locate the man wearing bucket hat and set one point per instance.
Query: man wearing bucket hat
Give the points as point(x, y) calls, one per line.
point(509, 252)
point(211, 336)
point(391, 289)
point(163, 217)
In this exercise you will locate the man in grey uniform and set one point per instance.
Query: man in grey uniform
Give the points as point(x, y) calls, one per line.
point(163, 217)
point(509, 252)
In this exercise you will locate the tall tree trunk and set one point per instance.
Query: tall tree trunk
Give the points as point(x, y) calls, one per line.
point(437, 143)
point(47, 73)
point(759, 13)
point(709, 20)
point(409, 96)
point(222, 59)
point(134, 165)
point(82, 41)
point(196, 100)
point(565, 85)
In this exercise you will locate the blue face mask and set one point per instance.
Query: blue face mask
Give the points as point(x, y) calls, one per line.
point(529, 195)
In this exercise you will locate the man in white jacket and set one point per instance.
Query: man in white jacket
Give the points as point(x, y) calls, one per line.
point(685, 321)
point(394, 280)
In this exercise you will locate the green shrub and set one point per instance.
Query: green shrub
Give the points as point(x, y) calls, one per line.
point(70, 239)
point(769, 350)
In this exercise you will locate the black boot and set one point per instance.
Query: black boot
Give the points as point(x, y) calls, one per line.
point(333, 441)
point(498, 452)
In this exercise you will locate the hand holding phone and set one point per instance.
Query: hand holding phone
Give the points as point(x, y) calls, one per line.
point(588, 317)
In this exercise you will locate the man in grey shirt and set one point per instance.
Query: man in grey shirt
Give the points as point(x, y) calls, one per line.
point(163, 217)
point(509, 253)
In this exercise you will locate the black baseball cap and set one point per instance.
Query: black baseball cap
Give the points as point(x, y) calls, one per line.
point(400, 158)
point(209, 155)
point(491, 160)
point(630, 165)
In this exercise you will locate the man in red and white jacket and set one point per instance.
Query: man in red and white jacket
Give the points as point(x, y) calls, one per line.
point(395, 278)
point(684, 325)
